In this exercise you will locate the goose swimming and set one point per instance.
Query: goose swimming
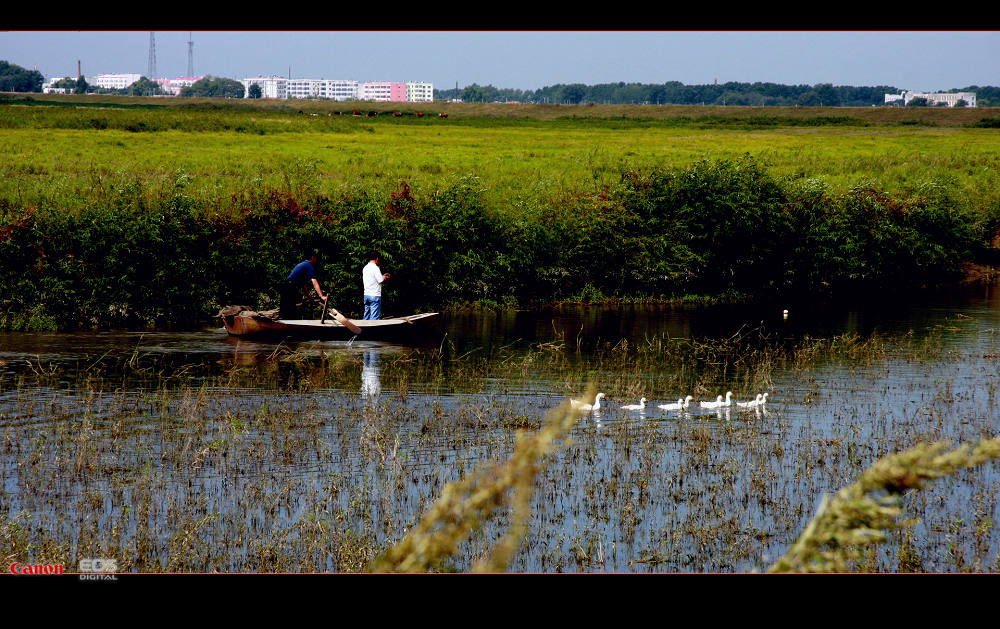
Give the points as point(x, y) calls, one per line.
point(681, 404)
point(750, 403)
point(716, 404)
point(588, 407)
point(675, 406)
point(636, 407)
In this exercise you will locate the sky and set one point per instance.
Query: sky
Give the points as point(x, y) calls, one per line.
point(528, 59)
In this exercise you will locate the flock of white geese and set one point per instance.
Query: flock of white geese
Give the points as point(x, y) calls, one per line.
point(682, 404)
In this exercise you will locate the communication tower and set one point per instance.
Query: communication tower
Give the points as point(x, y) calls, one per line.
point(151, 71)
point(190, 56)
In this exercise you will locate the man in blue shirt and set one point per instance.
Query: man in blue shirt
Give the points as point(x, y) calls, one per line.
point(300, 278)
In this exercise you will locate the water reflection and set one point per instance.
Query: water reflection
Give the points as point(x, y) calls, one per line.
point(677, 489)
point(371, 386)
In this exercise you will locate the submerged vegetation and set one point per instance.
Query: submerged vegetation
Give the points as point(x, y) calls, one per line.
point(279, 461)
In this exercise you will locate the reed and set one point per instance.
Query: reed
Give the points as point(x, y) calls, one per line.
point(859, 515)
point(465, 504)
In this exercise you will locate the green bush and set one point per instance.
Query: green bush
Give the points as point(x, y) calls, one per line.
point(141, 255)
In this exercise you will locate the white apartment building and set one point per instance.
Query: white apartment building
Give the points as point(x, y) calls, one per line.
point(339, 89)
point(333, 89)
point(112, 81)
point(270, 86)
point(48, 86)
point(949, 99)
point(420, 92)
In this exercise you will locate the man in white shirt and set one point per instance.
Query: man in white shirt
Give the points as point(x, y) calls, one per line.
point(373, 278)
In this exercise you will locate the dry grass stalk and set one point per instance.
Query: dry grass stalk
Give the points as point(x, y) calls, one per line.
point(465, 504)
point(861, 513)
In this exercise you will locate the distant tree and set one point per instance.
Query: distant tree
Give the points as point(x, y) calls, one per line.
point(213, 87)
point(254, 91)
point(961, 103)
point(81, 86)
point(808, 99)
point(676, 93)
point(479, 94)
point(827, 95)
point(143, 87)
point(14, 78)
point(917, 102)
point(65, 84)
point(732, 97)
point(573, 94)
point(472, 94)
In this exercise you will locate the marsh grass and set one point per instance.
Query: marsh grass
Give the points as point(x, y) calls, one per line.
point(278, 463)
point(861, 514)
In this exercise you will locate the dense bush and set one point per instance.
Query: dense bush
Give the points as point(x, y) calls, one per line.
point(133, 258)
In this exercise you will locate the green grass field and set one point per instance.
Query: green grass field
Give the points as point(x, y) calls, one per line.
point(49, 157)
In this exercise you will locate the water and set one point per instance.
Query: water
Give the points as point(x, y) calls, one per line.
point(194, 451)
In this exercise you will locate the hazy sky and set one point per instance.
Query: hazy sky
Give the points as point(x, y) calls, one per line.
point(917, 60)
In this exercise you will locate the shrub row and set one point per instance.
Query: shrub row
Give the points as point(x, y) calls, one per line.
point(712, 228)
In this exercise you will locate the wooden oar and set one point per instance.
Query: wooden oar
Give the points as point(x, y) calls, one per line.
point(341, 319)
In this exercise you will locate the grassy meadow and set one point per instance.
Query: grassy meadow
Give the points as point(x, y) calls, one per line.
point(60, 154)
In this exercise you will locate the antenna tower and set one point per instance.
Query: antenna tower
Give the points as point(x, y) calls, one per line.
point(190, 57)
point(151, 71)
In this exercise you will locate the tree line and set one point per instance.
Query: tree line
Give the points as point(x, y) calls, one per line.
point(677, 93)
point(14, 78)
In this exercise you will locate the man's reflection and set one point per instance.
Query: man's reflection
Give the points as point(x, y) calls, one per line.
point(371, 387)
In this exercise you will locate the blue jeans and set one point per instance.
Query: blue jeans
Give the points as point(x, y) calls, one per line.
point(373, 307)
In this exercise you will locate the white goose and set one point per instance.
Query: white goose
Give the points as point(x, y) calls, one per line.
point(636, 407)
point(715, 404)
point(750, 403)
point(588, 407)
point(681, 404)
point(763, 400)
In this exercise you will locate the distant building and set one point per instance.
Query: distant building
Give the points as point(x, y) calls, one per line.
point(49, 86)
point(383, 91)
point(270, 86)
point(112, 81)
point(174, 86)
point(341, 89)
point(333, 89)
point(949, 99)
point(420, 92)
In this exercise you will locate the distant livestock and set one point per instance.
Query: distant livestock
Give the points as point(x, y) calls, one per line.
point(442, 115)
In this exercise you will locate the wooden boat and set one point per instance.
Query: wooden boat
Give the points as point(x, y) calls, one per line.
point(400, 329)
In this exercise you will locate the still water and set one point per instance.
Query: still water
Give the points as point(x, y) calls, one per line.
point(192, 451)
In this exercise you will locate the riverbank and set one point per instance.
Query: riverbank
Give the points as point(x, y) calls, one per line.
point(716, 229)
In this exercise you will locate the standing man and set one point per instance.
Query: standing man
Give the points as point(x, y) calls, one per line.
point(299, 278)
point(373, 278)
